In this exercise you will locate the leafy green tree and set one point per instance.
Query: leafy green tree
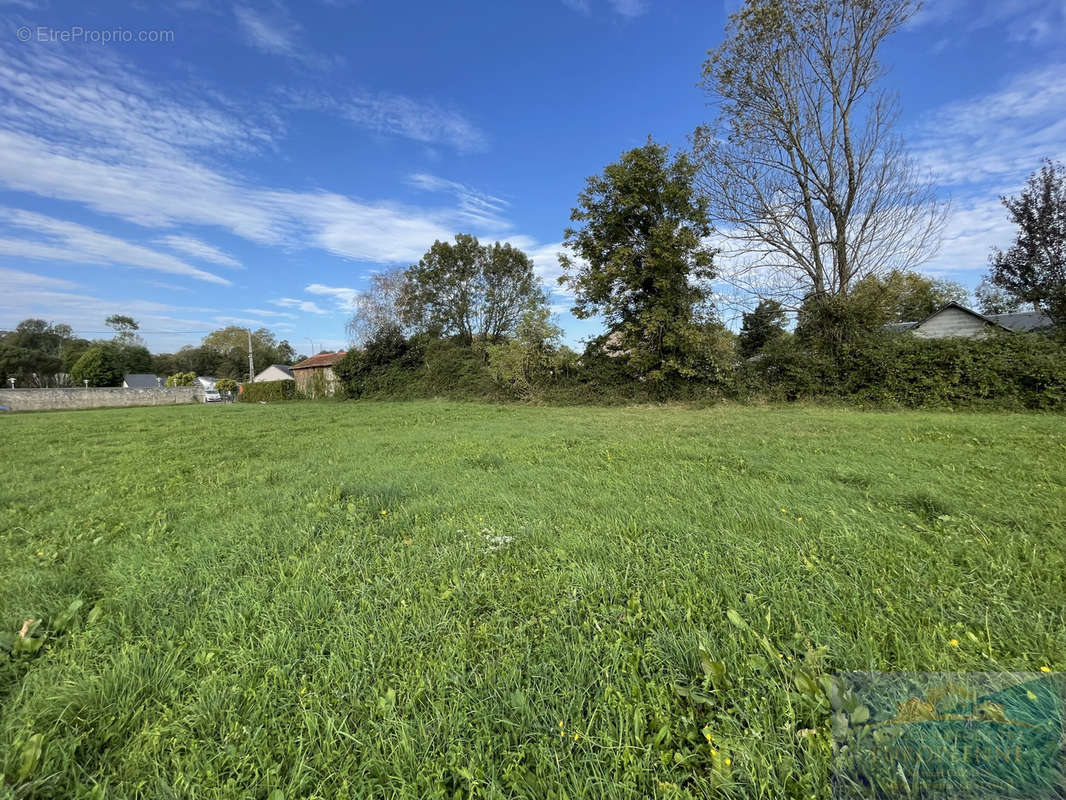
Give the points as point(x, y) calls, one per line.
point(226, 385)
point(1033, 269)
point(125, 329)
point(993, 300)
point(224, 353)
point(909, 296)
point(181, 379)
point(99, 366)
point(640, 260)
point(468, 290)
point(37, 352)
point(760, 327)
point(527, 361)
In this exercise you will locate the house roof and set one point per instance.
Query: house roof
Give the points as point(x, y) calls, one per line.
point(321, 360)
point(283, 367)
point(899, 327)
point(141, 380)
point(1023, 321)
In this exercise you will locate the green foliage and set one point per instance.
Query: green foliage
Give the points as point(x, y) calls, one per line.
point(1033, 269)
point(268, 391)
point(468, 290)
point(760, 327)
point(991, 299)
point(226, 385)
point(37, 352)
point(641, 262)
point(908, 296)
point(99, 365)
point(827, 323)
point(182, 379)
point(224, 352)
point(526, 364)
point(1011, 371)
point(672, 585)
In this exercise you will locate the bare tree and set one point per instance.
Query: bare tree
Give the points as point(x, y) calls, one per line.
point(377, 308)
point(809, 187)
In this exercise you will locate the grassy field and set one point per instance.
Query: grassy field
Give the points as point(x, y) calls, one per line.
point(455, 600)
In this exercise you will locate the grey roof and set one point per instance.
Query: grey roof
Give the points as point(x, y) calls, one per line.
point(1023, 321)
point(141, 380)
point(283, 367)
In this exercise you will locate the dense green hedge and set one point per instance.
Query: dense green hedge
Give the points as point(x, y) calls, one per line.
point(268, 391)
point(1012, 371)
point(1006, 371)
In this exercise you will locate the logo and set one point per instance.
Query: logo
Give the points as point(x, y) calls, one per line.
point(958, 735)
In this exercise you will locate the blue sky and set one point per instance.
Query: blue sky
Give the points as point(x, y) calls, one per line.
point(259, 163)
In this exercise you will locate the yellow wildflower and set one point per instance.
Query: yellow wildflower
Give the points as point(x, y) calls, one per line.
point(1045, 669)
point(728, 762)
point(954, 642)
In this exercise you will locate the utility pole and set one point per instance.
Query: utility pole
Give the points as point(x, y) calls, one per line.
point(251, 364)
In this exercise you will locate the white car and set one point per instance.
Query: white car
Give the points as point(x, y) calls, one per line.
point(212, 396)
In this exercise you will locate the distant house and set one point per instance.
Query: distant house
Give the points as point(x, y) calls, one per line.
point(957, 320)
point(141, 380)
point(275, 372)
point(314, 376)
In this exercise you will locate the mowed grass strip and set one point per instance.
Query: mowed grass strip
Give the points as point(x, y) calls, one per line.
point(439, 599)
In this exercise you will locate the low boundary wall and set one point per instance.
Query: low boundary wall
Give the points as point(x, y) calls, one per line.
point(52, 399)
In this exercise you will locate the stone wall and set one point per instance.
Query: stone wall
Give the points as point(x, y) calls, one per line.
point(50, 399)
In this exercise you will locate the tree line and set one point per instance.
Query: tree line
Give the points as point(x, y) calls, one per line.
point(39, 354)
point(800, 193)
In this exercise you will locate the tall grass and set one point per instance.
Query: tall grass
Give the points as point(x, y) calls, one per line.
point(458, 600)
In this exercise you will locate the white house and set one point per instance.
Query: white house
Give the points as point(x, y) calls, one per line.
point(275, 372)
point(957, 320)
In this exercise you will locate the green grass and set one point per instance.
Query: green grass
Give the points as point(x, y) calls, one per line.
point(457, 600)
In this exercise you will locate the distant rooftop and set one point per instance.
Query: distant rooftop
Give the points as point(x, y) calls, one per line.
point(321, 360)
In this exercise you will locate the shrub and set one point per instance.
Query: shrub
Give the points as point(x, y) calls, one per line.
point(226, 385)
point(181, 379)
point(268, 391)
point(97, 365)
point(1013, 371)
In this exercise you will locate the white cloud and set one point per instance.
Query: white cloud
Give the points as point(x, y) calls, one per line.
point(420, 120)
point(306, 306)
point(203, 251)
point(629, 8)
point(99, 137)
point(984, 147)
point(475, 207)
point(69, 241)
point(1037, 22)
point(273, 36)
point(344, 297)
point(29, 295)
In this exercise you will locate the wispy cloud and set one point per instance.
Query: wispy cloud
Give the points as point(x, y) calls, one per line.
point(193, 247)
point(1036, 22)
point(629, 8)
point(137, 156)
point(418, 119)
point(266, 34)
point(984, 147)
point(625, 8)
point(306, 306)
point(342, 296)
point(476, 207)
point(68, 241)
point(28, 294)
